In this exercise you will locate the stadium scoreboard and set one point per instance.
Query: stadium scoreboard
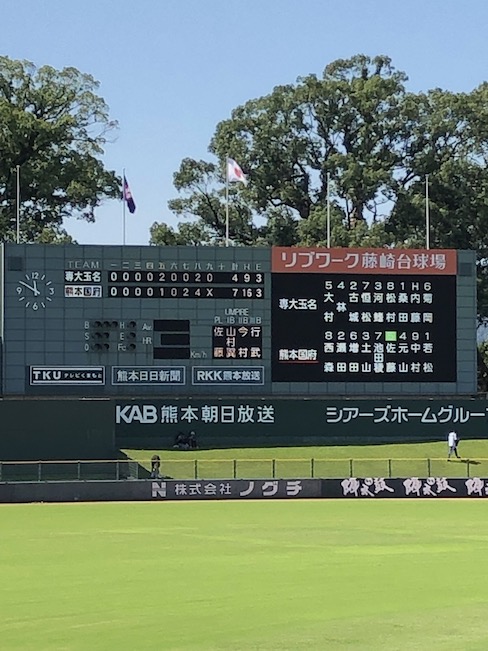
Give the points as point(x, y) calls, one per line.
point(183, 321)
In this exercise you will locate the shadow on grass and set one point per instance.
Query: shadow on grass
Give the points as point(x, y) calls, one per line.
point(470, 462)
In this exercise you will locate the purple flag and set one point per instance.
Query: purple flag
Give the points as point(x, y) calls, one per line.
point(127, 196)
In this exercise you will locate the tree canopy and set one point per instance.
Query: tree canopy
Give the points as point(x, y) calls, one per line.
point(53, 127)
point(358, 134)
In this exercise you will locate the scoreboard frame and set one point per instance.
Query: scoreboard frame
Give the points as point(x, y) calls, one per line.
point(113, 321)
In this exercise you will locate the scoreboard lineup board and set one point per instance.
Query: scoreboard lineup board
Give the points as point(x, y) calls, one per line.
point(195, 321)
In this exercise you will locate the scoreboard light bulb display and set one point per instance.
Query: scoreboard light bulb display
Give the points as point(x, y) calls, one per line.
point(363, 328)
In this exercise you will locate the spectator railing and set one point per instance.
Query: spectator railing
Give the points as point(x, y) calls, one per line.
point(208, 468)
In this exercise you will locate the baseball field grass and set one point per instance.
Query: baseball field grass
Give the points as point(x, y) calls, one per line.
point(399, 460)
point(312, 575)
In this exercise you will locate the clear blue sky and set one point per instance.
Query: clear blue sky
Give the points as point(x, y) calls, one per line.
point(170, 70)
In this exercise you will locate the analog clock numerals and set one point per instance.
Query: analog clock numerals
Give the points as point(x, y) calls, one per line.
point(35, 291)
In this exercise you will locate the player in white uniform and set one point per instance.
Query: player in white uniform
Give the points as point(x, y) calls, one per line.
point(452, 442)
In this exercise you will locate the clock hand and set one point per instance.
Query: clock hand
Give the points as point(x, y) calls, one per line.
point(36, 291)
point(33, 288)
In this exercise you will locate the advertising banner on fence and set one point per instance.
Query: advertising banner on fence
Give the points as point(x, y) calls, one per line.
point(241, 489)
point(242, 421)
point(236, 489)
point(408, 487)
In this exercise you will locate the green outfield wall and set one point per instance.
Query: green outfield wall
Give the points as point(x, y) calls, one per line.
point(97, 429)
point(56, 429)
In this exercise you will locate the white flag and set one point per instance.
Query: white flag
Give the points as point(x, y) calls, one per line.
point(234, 172)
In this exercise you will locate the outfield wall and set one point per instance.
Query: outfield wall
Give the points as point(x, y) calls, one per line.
point(35, 430)
point(238, 489)
point(96, 429)
point(272, 422)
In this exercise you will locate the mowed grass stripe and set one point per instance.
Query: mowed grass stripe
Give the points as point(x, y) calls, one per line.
point(241, 576)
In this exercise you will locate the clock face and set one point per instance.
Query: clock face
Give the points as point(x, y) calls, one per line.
point(35, 291)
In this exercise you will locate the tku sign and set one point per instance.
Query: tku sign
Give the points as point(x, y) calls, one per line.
point(136, 414)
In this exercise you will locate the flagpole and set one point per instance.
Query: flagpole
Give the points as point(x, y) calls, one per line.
point(124, 201)
point(328, 210)
point(227, 201)
point(427, 213)
point(18, 204)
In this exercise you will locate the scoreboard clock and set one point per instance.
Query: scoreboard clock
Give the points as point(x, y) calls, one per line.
point(35, 291)
point(183, 321)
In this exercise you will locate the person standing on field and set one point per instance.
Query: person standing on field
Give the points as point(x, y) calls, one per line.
point(452, 442)
point(155, 466)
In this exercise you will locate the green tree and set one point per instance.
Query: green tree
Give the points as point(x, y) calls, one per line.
point(190, 234)
point(346, 125)
point(357, 133)
point(53, 127)
point(203, 194)
point(483, 366)
point(344, 128)
point(448, 146)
